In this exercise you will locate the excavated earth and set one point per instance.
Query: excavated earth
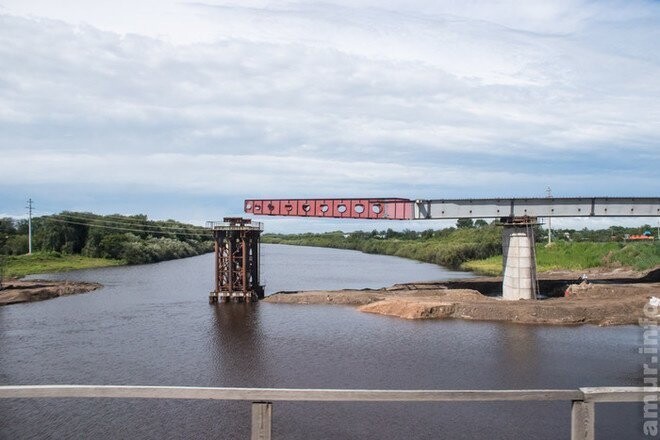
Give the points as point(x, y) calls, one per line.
point(605, 299)
point(15, 291)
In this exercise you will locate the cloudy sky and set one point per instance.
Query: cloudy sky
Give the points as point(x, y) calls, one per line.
point(182, 109)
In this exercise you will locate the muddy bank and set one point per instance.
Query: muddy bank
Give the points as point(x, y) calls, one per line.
point(602, 301)
point(15, 291)
point(551, 284)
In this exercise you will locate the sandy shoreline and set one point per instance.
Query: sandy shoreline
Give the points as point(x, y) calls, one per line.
point(18, 291)
point(603, 301)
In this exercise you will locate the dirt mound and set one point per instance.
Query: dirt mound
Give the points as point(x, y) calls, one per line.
point(601, 304)
point(348, 297)
point(411, 309)
point(27, 291)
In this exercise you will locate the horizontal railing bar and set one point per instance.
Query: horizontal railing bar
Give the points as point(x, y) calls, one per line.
point(281, 394)
point(619, 394)
point(582, 410)
point(592, 394)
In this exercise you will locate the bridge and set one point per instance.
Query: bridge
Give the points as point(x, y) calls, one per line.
point(516, 215)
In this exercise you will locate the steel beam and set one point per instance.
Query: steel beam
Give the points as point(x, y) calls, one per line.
point(538, 207)
point(404, 209)
point(366, 208)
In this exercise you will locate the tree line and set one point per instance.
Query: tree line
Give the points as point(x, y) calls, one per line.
point(614, 233)
point(134, 239)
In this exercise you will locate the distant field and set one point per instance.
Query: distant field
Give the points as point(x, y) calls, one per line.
point(18, 266)
point(577, 256)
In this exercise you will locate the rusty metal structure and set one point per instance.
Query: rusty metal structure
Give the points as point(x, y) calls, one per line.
point(237, 258)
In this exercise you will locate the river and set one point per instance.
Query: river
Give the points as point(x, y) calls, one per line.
point(152, 325)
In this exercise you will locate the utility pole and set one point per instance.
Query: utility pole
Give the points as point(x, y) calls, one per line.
point(29, 208)
point(548, 190)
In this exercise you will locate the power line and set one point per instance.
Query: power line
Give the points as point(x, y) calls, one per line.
point(125, 222)
point(117, 228)
point(128, 223)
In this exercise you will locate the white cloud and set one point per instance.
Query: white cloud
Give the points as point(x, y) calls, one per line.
point(413, 99)
point(264, 176)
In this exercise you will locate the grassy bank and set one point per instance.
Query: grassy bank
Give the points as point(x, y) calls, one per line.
point(45, 262)
point(448, 247)
point(480, 249)
point(579, 256)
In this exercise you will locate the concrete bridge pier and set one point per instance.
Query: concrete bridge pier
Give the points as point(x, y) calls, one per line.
point(519, 259)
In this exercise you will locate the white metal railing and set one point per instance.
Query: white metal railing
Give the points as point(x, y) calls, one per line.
point(582, 414)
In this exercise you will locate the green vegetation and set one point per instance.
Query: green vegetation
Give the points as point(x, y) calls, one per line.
point(447, 247)
point(477, 246)
point(578, 256)
point(44, 262)
point(72, 240)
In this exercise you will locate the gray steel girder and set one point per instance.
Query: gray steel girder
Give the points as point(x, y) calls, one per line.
point(538, 207)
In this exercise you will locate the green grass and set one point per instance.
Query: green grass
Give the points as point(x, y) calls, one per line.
point(449, 249)
point(21, 265)
point(578, 256)
point(489, 266)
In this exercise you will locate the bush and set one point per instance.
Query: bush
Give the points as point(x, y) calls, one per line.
point(16, 245)
point(112, 246)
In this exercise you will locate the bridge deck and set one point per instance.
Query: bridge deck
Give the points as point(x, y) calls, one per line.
point(404, 209)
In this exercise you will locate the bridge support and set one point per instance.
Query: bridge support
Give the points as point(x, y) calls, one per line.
point(237, 253)
point(519, 259)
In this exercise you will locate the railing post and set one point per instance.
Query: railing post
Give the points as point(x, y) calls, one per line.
point(262, 416)
point(583, 426)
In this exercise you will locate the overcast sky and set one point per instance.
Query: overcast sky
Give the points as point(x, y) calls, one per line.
point(182, 109)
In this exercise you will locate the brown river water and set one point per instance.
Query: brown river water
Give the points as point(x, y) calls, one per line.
point(152, 325)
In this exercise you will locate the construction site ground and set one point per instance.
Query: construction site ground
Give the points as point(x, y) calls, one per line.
point(607, 298)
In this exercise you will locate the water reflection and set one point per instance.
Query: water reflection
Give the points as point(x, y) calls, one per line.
point(237, 344)
point(518, 353)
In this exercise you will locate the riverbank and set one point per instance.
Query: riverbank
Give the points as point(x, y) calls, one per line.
point(18, 291)
point(610, 299)
point(17, 266)
point(479, 250)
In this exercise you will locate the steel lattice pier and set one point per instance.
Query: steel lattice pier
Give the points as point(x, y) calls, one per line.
point(237, 253)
